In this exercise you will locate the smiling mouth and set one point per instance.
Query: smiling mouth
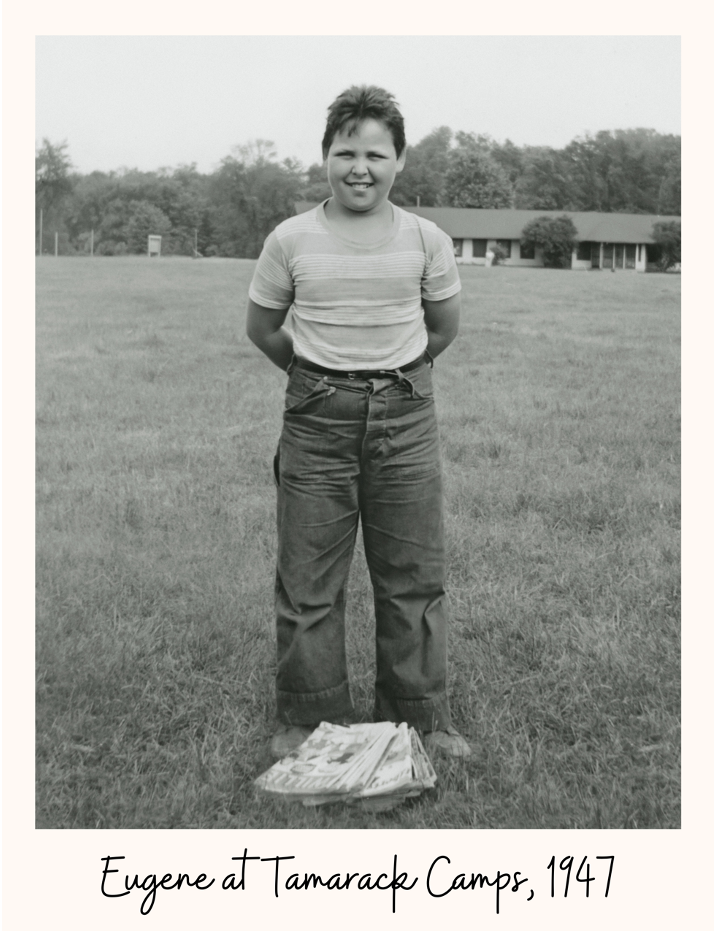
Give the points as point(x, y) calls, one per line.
point(359, 185)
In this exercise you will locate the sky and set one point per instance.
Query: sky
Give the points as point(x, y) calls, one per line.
point(150, 102)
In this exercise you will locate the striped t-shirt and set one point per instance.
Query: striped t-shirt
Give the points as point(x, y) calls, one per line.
point(355, 306)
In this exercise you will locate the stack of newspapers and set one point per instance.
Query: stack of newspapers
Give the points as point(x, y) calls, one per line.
point(375, 765)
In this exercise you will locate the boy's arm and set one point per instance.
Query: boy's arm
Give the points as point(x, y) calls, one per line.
point(264, 327)
point(442, 320)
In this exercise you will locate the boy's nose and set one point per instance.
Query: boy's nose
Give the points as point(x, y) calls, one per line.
point(359, 169)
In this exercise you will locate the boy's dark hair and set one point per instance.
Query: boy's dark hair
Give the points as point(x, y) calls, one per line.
point(364, 102)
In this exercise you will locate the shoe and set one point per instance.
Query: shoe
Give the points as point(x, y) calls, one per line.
point(287, 738)
point(447, 741)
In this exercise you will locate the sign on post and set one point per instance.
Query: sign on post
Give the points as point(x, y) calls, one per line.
point(154, 245)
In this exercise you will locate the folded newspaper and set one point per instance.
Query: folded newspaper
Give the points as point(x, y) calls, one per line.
point(376, 765)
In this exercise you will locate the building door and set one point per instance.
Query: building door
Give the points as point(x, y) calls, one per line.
point(630, 254)
point(608, 260)
point(596, 264)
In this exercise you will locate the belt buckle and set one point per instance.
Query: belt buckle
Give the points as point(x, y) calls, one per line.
point(351, 375)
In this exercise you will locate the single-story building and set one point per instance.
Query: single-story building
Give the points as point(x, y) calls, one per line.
point(606, 241)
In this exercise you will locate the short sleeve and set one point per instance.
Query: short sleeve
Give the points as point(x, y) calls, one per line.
point(440, 279)
point(272, 285)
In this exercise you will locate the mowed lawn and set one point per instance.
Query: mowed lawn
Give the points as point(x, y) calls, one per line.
point(156, 425)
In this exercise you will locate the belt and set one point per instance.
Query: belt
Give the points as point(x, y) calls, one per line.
point(360, 373)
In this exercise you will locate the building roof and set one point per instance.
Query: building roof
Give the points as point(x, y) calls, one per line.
point(479, 223)
point(483, 223)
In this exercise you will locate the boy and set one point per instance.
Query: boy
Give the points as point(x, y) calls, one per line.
point(374, 292)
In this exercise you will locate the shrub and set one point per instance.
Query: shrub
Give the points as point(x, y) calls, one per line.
point(667, 238)
point(556, 237)
point(500, 254)
point(110, 247)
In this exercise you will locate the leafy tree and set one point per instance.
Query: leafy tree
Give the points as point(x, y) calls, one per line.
point(622, 170)
point(52, 174)
point(474, 179)
point(233, 209)
point(474, 142)
point(256, 152)
point(669, 200)
point(89, 197)
point(104, 203)
point(174, 194)
point(53, 186)
point(145, 219)
point(510, 158)
point(545, 183)
point(185, 202)
point(667, 237)
point(316, 185)
point(426, 165)
point(556, 237)
point(584, 168)
point(651, 159)
point(113, 225)
point(250, 195)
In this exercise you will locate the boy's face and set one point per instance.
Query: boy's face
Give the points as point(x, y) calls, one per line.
point(362, 166)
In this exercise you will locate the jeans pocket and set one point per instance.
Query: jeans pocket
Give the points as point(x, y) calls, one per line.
point(419, 383)
point(302, 390)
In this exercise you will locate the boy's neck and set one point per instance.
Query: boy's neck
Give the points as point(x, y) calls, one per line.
point(360, 226)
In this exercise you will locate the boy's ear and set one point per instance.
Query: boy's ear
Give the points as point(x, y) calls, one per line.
point(400, 164)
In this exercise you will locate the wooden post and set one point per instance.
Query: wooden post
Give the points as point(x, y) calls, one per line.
point(417, 201)
point(40, 231)
point(92, 242)
point(196, 243)
point(55, 244)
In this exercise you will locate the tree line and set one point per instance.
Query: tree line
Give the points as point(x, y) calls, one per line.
point(230, 211)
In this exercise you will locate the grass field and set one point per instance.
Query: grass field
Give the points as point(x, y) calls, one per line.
point(156, 425)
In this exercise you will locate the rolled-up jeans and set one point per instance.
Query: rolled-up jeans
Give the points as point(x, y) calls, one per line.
point(363, 448)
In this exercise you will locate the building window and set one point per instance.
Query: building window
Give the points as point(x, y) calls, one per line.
point(505, 244)
point(584, 251)
point(457, 247)
point(630, 256)
point(479, 248)
point(527, 252)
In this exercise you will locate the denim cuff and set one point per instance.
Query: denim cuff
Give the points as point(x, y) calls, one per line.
point(328, 705)
point(422, 714)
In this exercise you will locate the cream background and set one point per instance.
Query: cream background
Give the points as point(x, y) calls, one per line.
point(662, 880)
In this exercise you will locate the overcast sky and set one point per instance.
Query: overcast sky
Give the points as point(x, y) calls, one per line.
point(150, 102)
